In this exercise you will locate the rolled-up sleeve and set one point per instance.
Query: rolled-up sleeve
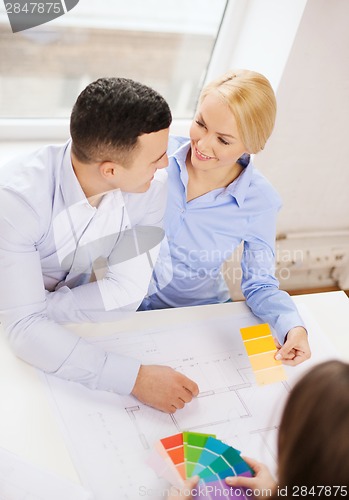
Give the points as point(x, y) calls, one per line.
point(259, 285)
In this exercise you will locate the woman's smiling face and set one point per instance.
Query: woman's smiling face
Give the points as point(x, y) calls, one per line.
point(215, 139)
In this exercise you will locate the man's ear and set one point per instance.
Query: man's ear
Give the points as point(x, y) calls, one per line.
point(108, 169)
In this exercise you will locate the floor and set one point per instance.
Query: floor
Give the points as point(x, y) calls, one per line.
point(316, 290)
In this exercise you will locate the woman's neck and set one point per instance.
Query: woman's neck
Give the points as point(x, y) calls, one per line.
point(201, 182)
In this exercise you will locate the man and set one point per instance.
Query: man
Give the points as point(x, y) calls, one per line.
point(73, 247)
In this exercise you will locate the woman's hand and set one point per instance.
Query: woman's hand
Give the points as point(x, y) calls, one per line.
point(296, 348)
point(262, 480)
point(186, 491)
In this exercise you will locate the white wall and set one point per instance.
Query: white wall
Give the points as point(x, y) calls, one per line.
point(307, 155)
point(258, 35)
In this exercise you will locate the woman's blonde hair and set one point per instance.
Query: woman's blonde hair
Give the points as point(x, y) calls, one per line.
point(251, 99)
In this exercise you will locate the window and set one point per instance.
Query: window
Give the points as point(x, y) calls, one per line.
point(165, 44)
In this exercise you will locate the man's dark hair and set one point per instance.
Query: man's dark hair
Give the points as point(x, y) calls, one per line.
point(110, 115)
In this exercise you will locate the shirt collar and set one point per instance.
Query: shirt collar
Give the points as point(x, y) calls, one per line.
point(180, 155)
point(73, 193)
point(71, 189)
point(237, 189)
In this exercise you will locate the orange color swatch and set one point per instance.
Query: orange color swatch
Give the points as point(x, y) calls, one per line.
point(260, 348)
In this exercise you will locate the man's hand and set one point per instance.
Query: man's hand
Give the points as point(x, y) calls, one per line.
point(262, 479)
point(164, 388)
point(296, 348)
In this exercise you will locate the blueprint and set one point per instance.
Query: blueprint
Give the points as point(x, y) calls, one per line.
point(110, 437)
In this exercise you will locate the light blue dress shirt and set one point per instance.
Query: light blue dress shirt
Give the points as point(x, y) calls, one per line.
point(203, 233)
point(64, 260)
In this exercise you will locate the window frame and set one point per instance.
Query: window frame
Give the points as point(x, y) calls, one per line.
point(227, 52)
point(48, 129)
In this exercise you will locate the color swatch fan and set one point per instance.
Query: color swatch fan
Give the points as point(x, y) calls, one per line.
point(260, 348)
point(187, 454)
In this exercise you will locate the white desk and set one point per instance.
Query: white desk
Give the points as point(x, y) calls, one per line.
point(27, 424)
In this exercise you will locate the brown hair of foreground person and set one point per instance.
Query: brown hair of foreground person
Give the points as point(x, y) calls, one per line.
point(313, 442)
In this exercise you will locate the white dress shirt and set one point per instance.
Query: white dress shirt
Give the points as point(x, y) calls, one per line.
point(63, 260)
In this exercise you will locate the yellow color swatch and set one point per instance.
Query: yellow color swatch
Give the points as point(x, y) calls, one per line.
point(270, 376)
point(264, 360)
point(260, 348)
point(253, 332)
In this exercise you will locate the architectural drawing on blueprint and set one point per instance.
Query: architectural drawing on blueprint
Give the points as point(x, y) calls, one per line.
point(110, 436)
point(227, 394)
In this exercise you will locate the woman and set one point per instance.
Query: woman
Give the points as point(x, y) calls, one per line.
point(217, 199)
point(313, 441)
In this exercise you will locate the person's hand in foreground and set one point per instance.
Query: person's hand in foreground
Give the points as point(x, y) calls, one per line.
point(164, 388)
point(296, 348)
point(262, 480)
point(186, 491)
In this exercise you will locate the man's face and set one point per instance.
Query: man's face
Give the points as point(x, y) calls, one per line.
point(148, 156)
